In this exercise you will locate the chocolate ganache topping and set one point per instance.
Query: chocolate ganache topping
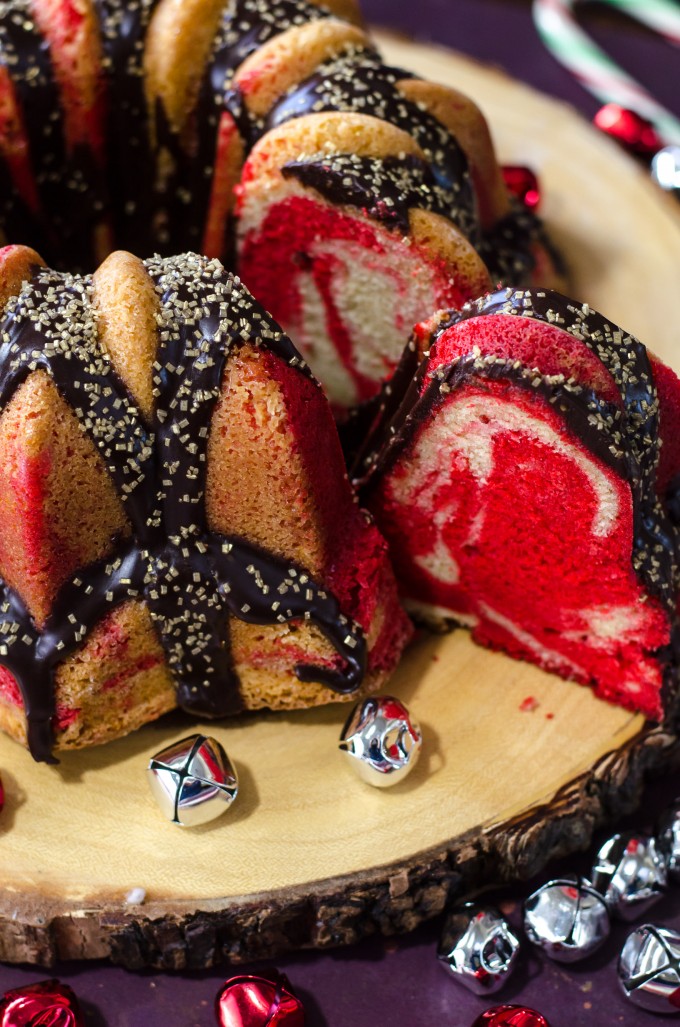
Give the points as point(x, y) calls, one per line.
point(359, 82)
point(191, 578)
point(384, 188)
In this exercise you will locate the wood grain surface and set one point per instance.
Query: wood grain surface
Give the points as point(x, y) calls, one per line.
point(309, 856)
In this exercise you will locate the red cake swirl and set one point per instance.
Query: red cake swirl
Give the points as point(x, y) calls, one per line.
point(519, 484)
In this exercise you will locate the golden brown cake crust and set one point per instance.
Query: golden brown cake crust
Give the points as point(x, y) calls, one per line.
point(127, 308)
point(178, 45)
point(269, 502)
point(318, 134)
point(17, 264)
point(466, 123)
point(439, 238)
point(51, 478)
point(290, 58)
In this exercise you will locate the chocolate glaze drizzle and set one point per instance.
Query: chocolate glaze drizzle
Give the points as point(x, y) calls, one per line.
point(358, 81)
point(384, 188)
point(191, 578)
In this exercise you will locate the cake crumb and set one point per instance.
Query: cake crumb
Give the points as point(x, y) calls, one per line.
point(529, 704)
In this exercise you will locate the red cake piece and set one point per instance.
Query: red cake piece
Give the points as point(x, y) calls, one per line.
point(349, 244)
point(518, 491)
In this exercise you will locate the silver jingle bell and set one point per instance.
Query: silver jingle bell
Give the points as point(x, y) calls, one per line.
point(630, 872)
point(193, 781)
point(567, 918)
point(649, 969)
point(478, 948)
point(665, 169)
point(381, 740)
point(668, 839)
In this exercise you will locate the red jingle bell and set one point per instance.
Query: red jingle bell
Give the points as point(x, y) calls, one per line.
point(522, 183)
point(253, 1001)
point(46, 1004)
point(511, 1016)
point(629, 128)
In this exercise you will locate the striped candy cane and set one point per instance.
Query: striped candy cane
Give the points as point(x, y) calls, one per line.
point(595, 70)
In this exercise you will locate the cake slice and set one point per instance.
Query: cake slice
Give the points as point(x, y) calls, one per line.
point(274, 87)
point(176, 525)
point(518, 481)
point(419, 196)
point(344, 228)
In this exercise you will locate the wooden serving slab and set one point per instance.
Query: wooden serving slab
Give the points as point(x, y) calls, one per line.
point(517, 765)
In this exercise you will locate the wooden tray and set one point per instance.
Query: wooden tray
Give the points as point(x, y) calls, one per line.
point(309, 856)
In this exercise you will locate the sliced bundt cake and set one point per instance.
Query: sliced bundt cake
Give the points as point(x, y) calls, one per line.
point(526, 479)
point(132, 125)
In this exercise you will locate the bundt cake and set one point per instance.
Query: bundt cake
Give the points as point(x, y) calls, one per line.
point(267, 133)
point(526, 472)
point(176, 524)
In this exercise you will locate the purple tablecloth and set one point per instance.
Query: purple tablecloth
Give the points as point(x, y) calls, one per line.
point(399, 981)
